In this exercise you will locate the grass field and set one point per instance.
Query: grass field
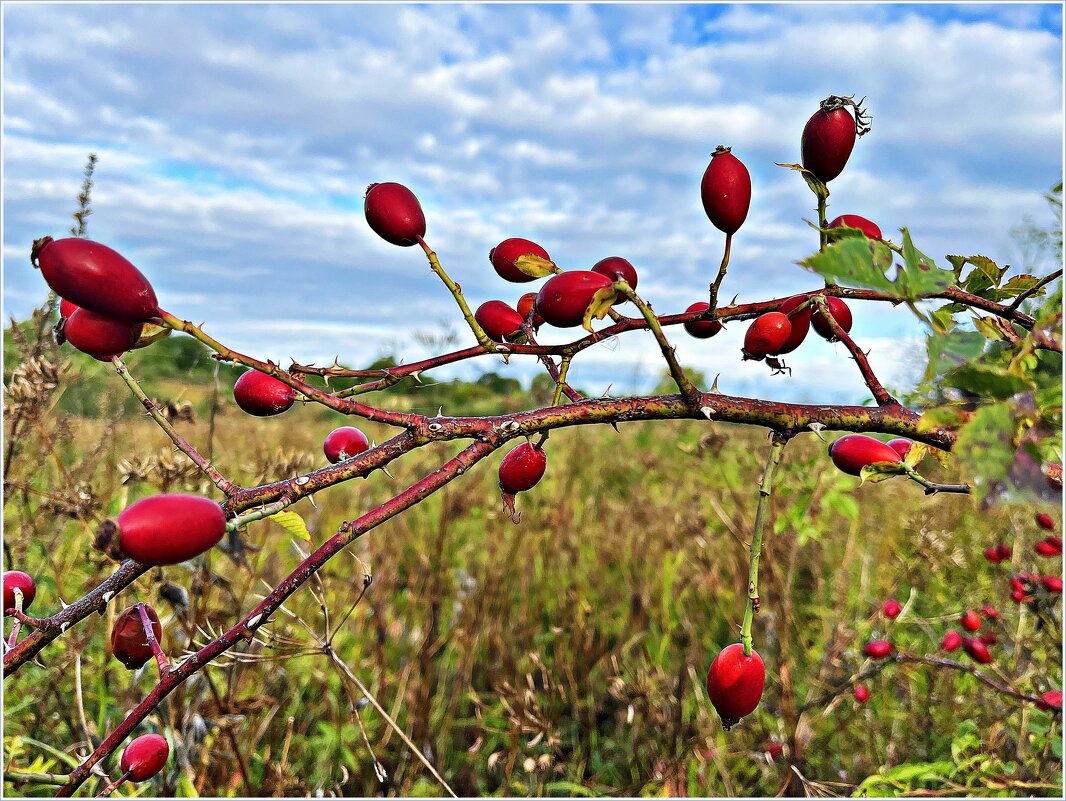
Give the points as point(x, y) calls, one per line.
point(562, 656)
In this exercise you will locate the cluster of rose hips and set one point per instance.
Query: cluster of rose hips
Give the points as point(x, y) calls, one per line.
point(975, 646)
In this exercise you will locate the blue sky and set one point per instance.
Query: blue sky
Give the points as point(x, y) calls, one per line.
point(236, 142)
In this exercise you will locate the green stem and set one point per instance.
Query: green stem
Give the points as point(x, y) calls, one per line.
point(721, 273)
point(25, 777)
point(434, 264)
point(932, 487)
point(823, 237)
point(560, 382)
point(765, 489)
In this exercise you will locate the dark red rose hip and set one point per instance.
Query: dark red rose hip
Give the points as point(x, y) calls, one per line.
point(617, 269)
point(99, 335)
point(344, 443)
point(522, 468)
point(702, 329)
point(507, 256)
point(262, 395)
point(95, 277)
point(565, 298)
point(839, 311)
point(829, 137)
point(394, 213)
point(129, 643)
point(726, 191)
point(499, 320)
point(800, 322)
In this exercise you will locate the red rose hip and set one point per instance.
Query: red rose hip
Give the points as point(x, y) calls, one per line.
point(99, 335)
point(970, 620)
point(952, 641)
point(522, 468)
point(726, 191)
point(144, 757)
point(766, 335)
point(877, 649)
point(512, 255)
point(1045, 521)
point(617, 269)
point(852, 452)
point(735, 683)
point(828, 139)
point(394, 213)
point(855, 221)
point(861, 694)
point(129, 643)
point(800, 322)
point(840, 312)
point(16, 579)
point(526, 304)
point(977, 650)
point(565, 299)
point(262, 395)
point(168, 529)
point(344, 443)
point(900, 446)
point(95, 277)
point(702, 329)
point(892, 608)
point(499, 320)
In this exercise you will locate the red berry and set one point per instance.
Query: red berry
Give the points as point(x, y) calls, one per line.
point(66, 308)
point(852, 452)
point(735, 683)
point(726, 191)
point(95, 277)
point(505, 255)
point(168, 529)
point(129, 643)
point(617, 269)
point(1045, 521)
point(702, 329)
point(394, 214)
point(988, 638)
point(892, 608)
point(877, 649)
point(99, 335)
point(976, 650)
point(989, 612)
point(970, 620)
point(774, 750)
point(16, 579)
point(861, 693)
point(766, 335)
point(344, 443)
point(800, 322)
point(841, 313)
point(1018, 595)
point(1053, 583)
point(952, 641)
point(855, 221)
point(526, 304)
point(1055, 541)
point(262, 395)
point(1052, 700)
point(564, 298)
point(900, 446)
point(1003, 551)
point(144, 757)
point(1045, 548)
point(828, 139)
point(992, 555)
point(499, 320)
point(522, 468)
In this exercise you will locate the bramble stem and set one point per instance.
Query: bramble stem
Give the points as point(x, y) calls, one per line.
point(220, 481)
point(881, 395)
point(777, 447)
point(688, 390)
point(434, 264)
point(721, 274)
point(153, 643)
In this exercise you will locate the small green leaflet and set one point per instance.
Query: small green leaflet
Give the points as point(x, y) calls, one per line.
point(292, 523)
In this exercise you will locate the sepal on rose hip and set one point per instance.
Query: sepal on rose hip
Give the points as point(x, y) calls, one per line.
point(521, 260)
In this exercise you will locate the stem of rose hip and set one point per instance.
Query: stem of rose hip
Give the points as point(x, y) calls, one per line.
point(114, 785)
point(777, 447)
point(932, 487)
point(721, 275)
point(560, 381)
point(434, 264)
point(881, 395)
point(688, 390)
point(224, 484)
point(823, 237)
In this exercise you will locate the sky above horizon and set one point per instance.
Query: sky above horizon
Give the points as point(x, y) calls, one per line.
point(236, 142)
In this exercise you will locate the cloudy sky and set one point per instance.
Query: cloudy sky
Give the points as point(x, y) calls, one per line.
point(236, 142)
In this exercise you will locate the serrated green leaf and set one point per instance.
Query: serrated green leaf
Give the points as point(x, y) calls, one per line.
point(1018, 284)
point(854, 261)
point(914, 457)
point(292, 523)
point(919, 274)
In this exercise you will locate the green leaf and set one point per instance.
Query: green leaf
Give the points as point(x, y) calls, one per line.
point(857, 262)
point(881, 471)
point(535, 266)
point(984, 445)
point(919, 274)
point(292, 523)
point(986, 381)
point(1018, 284)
